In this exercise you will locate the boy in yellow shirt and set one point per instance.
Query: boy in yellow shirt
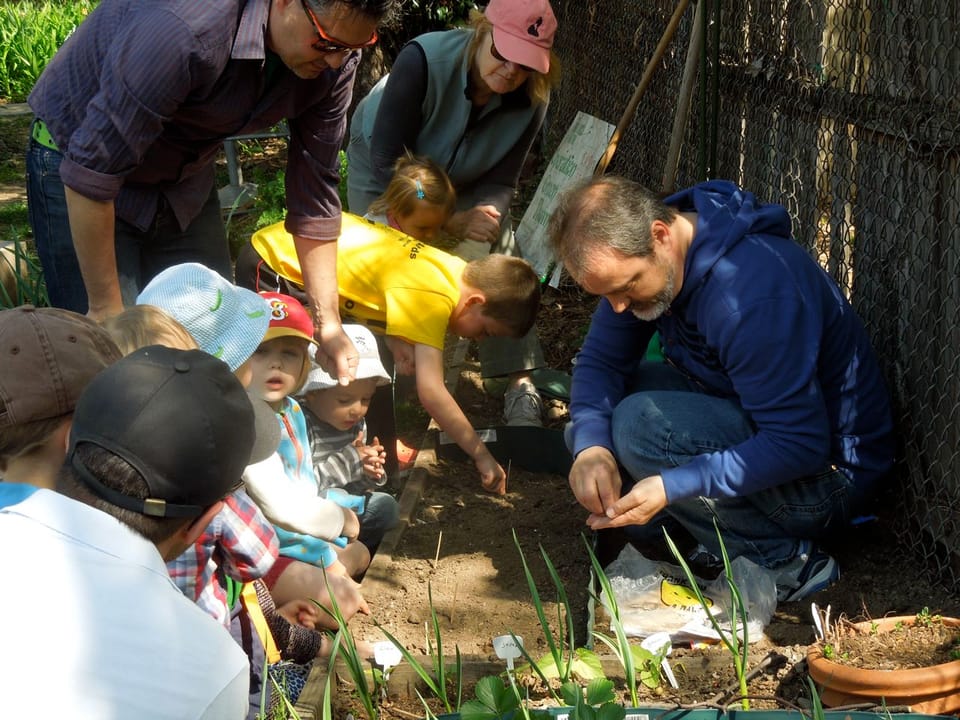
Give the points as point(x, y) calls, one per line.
point(413, 294)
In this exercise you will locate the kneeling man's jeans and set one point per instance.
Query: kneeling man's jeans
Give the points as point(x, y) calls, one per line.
point(669, 420)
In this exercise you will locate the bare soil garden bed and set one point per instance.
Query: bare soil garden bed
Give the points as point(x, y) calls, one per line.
point(459, 545)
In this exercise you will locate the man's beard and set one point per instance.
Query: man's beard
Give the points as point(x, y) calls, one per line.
point(652, 310)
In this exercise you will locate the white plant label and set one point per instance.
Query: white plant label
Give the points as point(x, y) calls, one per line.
point(507, 648)
point(386, 654)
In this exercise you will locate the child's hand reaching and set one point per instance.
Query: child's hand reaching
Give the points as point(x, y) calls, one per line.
point(492, 476)
point(300, 612)
point(372, 456)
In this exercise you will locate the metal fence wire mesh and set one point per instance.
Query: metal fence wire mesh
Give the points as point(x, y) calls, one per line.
point(847, 112)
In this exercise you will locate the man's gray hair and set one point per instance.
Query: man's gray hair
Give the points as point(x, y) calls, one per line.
point(603, 214)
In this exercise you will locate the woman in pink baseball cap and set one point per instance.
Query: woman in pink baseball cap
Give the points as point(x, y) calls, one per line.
point(472, 99)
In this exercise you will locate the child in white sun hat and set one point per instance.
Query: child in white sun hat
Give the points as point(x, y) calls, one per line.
point(337, 432)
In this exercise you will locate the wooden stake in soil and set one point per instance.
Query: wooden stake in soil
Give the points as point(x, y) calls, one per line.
point(436, 557)
point(683, 101)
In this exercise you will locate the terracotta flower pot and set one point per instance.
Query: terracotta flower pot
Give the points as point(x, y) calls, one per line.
point(934, 689)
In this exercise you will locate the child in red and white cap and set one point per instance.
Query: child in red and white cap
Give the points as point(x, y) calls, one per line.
point(279, 368)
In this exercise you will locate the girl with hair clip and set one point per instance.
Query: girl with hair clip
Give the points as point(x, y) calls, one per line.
point(418, 200)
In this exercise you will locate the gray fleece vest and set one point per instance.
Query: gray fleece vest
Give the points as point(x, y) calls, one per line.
point(466, 154)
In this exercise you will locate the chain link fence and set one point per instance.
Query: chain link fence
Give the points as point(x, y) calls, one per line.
point(847, 112)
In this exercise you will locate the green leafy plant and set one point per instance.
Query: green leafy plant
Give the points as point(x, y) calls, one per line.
point(927, 619)
point(271, 202)
point(494, 701)
point(816, 706)
point(731, 639)
point(561, 647)
point(564, 660)
point(436, 681)
point(345, 647)
point(596, 701)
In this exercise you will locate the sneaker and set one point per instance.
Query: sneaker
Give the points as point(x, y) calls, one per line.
point(522, 406)
point(811, 571)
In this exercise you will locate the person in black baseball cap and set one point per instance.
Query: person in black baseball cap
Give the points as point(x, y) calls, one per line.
point(158, 439)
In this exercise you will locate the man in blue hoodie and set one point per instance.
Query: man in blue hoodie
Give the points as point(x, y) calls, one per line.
point(770, 413)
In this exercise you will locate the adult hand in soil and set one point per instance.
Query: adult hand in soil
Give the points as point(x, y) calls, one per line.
point(637, 507)
point(492, 476)
point(480, 223)
point(595, 479)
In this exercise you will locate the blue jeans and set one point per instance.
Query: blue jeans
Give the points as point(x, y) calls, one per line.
point(47, 207)
point(381, 515)
point(141, 254)
point(669, 420)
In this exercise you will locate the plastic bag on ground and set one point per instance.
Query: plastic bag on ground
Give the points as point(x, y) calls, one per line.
point(654, 596)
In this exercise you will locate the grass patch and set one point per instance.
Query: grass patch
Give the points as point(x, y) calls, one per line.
point(31, 32)
point(14, 220)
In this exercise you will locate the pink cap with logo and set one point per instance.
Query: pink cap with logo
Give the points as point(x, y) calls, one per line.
point(523, 31)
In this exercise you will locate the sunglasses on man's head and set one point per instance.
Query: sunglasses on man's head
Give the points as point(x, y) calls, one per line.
point(327, 44)
point(501, 58)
